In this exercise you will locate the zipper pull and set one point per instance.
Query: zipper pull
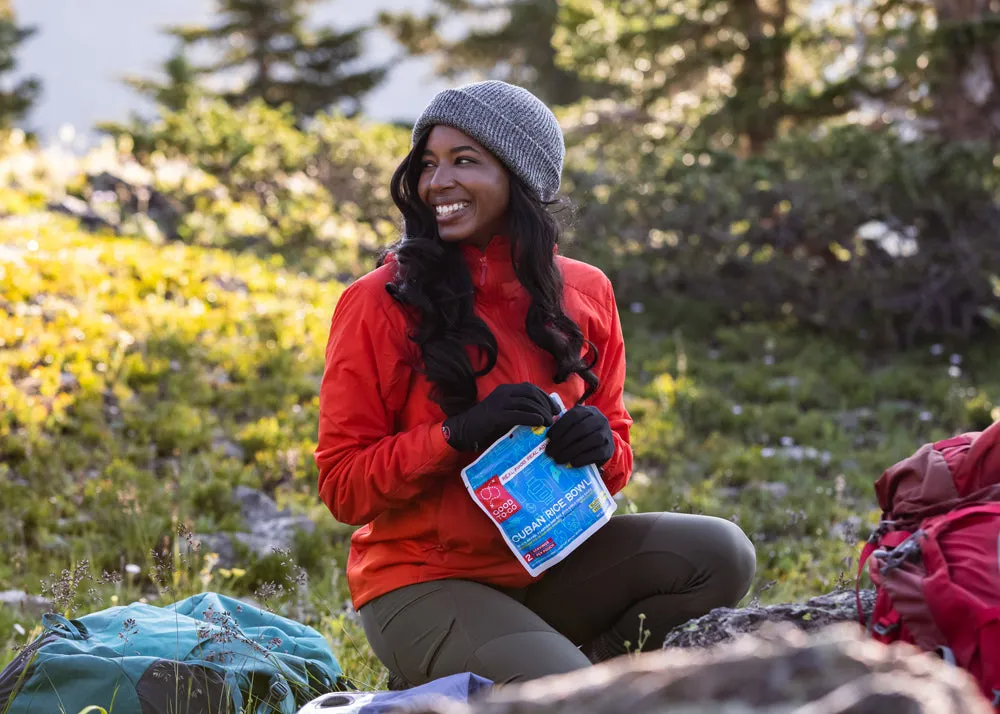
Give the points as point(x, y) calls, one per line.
point(482, 273)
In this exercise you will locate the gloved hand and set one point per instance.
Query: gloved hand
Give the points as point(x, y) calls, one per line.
point(580, 437)
point(507, 406)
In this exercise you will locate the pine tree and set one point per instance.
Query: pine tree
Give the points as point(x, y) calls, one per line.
point(729, 70)
point(180, 85)
point(967, 101)
point(948, 53)
point(267, 41)
point(16, 101)
point(514, 44)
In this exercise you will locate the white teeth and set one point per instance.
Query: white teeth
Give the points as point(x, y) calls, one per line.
point(450, 208)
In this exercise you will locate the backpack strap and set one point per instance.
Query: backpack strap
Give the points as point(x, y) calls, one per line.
point(280, 699)
point(866, 553)
point(59, 625)
point(989, 657)
point(234, 679)
point(882, 537)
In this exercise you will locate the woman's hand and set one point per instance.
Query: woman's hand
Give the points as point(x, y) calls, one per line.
point(507, 406)
point(580, 437)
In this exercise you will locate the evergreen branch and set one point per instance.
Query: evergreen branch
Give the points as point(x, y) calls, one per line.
point(192, 34)
point(418, 35)
point(480, 8)
point(835, 99)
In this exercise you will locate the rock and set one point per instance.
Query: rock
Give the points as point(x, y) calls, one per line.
point(724, 624)
point(115, 204)
point(68, 381)
point(255, 505)
point(781, 670)
point(269, 528)
point(165, 212)
point(77, 208)
point(230, 449)
point(31, 605)
point(230, 283)
point(221, 544)
point(29, 386)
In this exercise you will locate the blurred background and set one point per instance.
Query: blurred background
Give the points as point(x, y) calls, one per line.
point(111, 39)
point(798, 204)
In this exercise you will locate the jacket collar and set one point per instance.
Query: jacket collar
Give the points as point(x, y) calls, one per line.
point(491, 268)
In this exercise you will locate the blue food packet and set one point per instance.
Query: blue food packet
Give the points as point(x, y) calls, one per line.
point(544, 510)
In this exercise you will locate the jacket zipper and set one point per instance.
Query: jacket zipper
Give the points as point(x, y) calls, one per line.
point(522, 363)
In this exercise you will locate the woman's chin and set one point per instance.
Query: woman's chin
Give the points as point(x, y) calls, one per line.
point(454, 234)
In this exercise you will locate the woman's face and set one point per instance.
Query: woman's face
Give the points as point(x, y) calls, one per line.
point(465, 185)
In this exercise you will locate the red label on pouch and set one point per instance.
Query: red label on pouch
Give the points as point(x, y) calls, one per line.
point(540, 550)
point(500, 504)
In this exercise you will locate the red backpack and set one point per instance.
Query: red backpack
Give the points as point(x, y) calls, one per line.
point(935, 557)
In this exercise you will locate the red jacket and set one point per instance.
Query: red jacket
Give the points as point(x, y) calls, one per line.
point(383, 462)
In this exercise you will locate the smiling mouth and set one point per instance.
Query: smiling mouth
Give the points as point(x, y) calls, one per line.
point(450, 211)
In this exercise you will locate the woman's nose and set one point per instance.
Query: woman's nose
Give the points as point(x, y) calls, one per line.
point(442, 177)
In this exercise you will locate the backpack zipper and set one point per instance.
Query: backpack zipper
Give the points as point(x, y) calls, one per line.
point(16, 674)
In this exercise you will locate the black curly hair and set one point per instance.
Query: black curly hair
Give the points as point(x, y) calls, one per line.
point(434, 281)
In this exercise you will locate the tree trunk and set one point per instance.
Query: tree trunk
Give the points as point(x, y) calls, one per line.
point(760, 83)
point(967, 95)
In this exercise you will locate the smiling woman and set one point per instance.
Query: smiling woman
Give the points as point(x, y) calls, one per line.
point(466, 185)
point(462, 333)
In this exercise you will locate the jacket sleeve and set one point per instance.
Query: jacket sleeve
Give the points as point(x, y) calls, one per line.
point(609, 397)
point(365, 466)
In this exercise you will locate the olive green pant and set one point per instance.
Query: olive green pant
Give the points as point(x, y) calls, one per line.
point(667, 567)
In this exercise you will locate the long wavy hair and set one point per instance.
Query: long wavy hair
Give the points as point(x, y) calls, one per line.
point(434, 282)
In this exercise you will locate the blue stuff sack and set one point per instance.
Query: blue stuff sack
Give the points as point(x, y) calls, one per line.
point(458, 687)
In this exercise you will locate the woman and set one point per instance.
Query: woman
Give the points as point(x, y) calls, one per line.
point(460, 335)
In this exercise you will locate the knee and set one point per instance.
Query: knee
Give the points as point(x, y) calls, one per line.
point(522, 656)
point(734, 561)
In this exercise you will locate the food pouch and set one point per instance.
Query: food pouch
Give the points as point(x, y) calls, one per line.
point(543, 510)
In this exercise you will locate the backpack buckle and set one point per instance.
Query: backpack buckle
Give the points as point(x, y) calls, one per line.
point(881, 529)
point(883, 630)
point(907, 551)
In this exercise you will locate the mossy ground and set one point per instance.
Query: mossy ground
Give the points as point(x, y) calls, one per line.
point(128, 371)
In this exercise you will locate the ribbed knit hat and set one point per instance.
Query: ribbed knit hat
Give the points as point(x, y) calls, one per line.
point(509, 121)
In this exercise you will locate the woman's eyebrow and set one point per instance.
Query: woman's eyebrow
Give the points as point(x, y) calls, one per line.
point(456, 150)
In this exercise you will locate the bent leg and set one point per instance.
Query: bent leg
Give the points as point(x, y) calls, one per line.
point(670, 567)
point(430, 630)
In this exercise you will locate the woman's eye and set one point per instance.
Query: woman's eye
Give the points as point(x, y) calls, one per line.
point(464, 159)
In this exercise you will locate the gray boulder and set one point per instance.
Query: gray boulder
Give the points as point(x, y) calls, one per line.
point(268, 528)
point(725, 624)
point(22, 602)
point(780, 670)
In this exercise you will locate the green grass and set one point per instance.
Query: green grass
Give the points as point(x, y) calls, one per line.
point(125, 371)
point(127, 368)
point(785, 433)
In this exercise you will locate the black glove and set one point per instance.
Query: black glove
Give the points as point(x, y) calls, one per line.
point(580, 437)
point(507, 406)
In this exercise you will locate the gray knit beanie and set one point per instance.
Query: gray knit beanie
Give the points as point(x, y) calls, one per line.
point(509, 121)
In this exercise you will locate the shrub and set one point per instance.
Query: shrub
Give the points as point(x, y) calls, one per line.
point(852, 230)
